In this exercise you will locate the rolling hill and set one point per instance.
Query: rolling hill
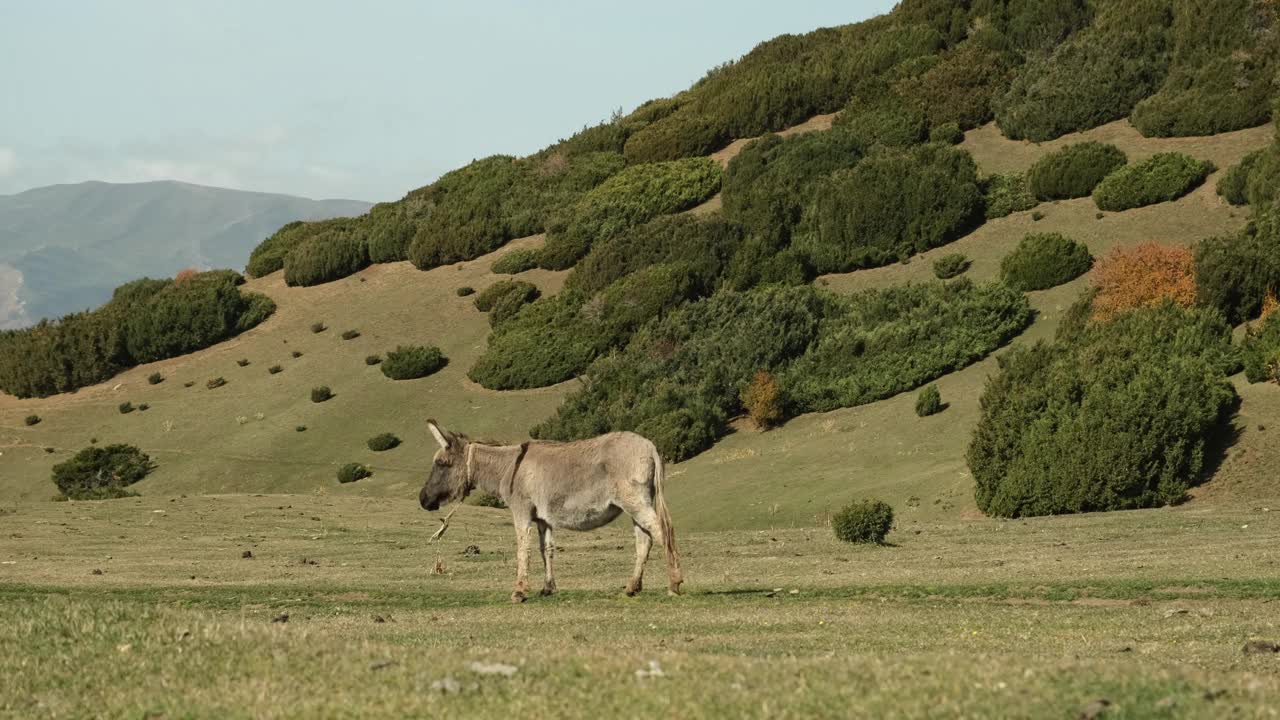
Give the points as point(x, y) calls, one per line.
point(63, 248)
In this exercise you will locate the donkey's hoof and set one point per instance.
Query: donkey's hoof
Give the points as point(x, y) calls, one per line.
point(634, 587)
point(548, 590)
point(517, 597)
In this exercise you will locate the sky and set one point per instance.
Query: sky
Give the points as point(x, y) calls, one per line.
point(325, 99)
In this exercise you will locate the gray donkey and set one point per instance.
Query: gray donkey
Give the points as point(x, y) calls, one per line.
point(580, 485)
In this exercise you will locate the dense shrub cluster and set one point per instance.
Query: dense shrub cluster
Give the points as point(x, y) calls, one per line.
point(325, 257)
point(412, 362)
point(1161, 178)
point(491, 295)
point(146, 320)
point(891, 206)
point(1074, 171)
point(1261, 351)
point(880, 117)
point(1234, 273)
point(516, 261)
point(679, 379)
point(865, 521)
point(389, 232)
point(704, 246)
point(1121, 414)
point(958, 91)
point(102, 473)
point(1044, 261)
point(629, 198)
point(269, 256)
point(1233, 186)
point(1144, 276)
point(1006, 194)
point(949, 266)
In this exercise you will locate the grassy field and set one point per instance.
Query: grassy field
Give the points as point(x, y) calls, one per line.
point(147, 608)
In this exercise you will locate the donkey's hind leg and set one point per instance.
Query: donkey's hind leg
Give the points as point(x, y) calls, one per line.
point(644, 541)
point(547, 545)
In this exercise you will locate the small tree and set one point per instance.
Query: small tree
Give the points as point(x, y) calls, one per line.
point(762, 399)
point(101, 473)
point(864, 521)
point(929, 401)
point(1144, 276)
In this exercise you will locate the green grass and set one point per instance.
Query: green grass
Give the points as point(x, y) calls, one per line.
point(1148, 609)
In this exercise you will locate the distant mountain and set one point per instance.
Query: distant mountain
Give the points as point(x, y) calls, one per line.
point(63, 248)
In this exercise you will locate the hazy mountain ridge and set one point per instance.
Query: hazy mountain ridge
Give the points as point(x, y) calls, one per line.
point(64, 248)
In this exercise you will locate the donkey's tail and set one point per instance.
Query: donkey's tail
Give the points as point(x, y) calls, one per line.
point(664, 521)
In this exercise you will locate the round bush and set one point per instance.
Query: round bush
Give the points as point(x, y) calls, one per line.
point(516, 261)
point(350, 334)
point(949, 266)
point(275, 369)
point(464, 291)
point(1162, 178)
point(1004, 195)
point(100, 473)
point(410, 363)
point(372, 359)
point(864, 521)
point(385, 441)
point(155, 378)
point(126, 407)
point(1233, 186)
point(929, 401)
point(352, 472)
point(485, 301)
point(243, 362)
point(321, 393)
point(1074, 171)
point(31, 420)
point(1044, 261)
point(331, 255)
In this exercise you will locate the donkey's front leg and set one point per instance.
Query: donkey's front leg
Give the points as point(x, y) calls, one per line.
point(546, 545)
point(522, 562)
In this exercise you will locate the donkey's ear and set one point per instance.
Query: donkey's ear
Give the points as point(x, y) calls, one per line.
point(438, 434)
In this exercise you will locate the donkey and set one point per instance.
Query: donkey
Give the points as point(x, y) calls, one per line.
point(580, 485)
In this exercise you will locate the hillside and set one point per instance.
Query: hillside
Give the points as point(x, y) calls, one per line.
point(63, 248)
point(637, 231)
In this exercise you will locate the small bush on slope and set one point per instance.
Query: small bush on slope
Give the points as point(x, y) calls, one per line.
point(102, 473)
point(866, 521)
point(1234, 273)
point(929, 401)
point(1044, 261)
point(1006, 194)
point(514, 262)
point(269, 256)
point(327, 256)
point(383, 442)
point(1261, 350)
point(703, 245)
point(1123, 415)
point(1074, 171)
point(1161, 178)
point(351, 472)
point(762, 399)
point(632, 197)
point(1144, 276)
point(485, 301)
point(412, 362)
point(949, 266)
point(1233, 186)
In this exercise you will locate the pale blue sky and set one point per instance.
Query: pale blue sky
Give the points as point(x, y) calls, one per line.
point(362, 100)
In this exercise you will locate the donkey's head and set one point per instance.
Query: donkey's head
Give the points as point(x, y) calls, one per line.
point(448, 481)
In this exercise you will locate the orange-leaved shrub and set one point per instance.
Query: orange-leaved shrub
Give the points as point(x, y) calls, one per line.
point(762, 399)
point(1144, 276)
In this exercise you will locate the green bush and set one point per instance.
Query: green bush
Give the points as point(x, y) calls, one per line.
point(352, 472)
point(31, 420)
point(300, 428)
point(949, 134)
point(1006, 194)
point(296, 354)
point(1044, 261)
point(389, 235)
point(269, 256)
point(1234, 273)
point(630, 198)
point(486, 300)
point(1233, 186)
point(1118, 415)
point(1261, 350)
point(243, 362)
point(383, 442)
point(703, 246)
point(321, 393)
point(879, 117)
point(126, 407)
point(949, 266)
point(1162, 178)
point(350, 334)
point(372, 359)
point(215, 383)
point(102, 473)
point(412, 362)
point(1074, 171)
point(143, 407)
point(956, 94)
point(549, 342)
point(275, 369)
point(515, 262)
point(890, 207)
point(155, 378)
point(328, 256)
point(865, 521)
point(1263, 184)
point(929, 401)
point(464, 291)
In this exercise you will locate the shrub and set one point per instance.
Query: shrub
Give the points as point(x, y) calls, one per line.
point(1044, 261)
point(1074, 171)
point(352, 472)
point(321, 393)
point(412, 362)
point(318, 327)
point(31, 420)
point(1261, 350)
point(143, 407)
point(1123, 414)
point(1037, 216)
point(296, 354)
point(1263, 184)
point(486, 300)
point(489, 500)
point(1006, 194)
point(215, 383)
point(891, 206)
point(464, 291)
point(516, 261)
point(350, 334)
point(389, 234)
point(155, 378)
point(762, 399)
point(629, 198)
point(865, 521)
point(385, 441)
point(949, 266)
point(243, 362)
point(189, 383)
point(275, 369)
point(958, 91)
point(1145, 276)
point(1234, 273)
point(126, 407)
point(101, 473)
point(879, 117)
point(1233, 186)
point(948, 134)
point(1162, 178)
point(328, 256)
point(300, 428)
point(929, 401)
point(548, 343)
point(703, 246)
point(372, 359)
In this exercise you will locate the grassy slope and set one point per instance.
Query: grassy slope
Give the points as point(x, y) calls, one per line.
point(1148, 610)
point(793, 476)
